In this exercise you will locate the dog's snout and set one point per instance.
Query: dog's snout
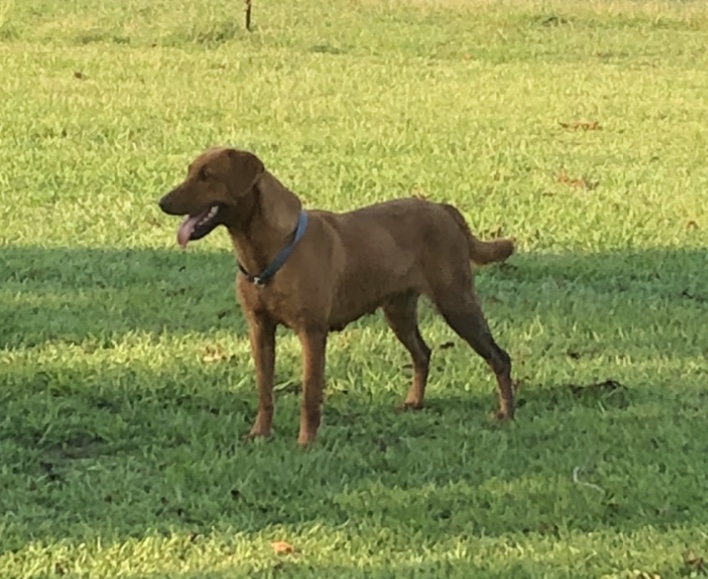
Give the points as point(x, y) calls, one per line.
point(167, 204)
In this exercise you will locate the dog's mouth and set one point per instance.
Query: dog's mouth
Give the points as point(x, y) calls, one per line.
point(197, 226)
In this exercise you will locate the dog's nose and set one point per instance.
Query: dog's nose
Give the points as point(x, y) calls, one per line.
point(163, 204)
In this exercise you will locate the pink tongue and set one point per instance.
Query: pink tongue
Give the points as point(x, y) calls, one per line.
point(185, 230)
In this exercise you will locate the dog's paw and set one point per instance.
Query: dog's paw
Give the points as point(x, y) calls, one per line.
point(306, 441)
point(256, 435)
point(409, 406)
point(503, 416)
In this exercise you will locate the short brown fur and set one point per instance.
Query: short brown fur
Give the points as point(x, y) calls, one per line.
point(346, 265)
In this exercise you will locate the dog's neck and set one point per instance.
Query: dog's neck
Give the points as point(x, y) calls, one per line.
point(266, 226)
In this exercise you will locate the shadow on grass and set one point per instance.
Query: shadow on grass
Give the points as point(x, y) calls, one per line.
point(74, 294)
point(446, 568)
point(119, 461)
point(115, 452)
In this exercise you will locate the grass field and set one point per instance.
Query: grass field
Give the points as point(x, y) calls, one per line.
point(580, 128)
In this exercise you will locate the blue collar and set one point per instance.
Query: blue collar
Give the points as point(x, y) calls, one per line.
point(278, 261)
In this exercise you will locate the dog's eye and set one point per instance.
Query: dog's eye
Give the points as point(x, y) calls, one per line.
point(203, 174)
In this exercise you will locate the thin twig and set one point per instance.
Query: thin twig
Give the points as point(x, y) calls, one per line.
point(576, 480)
point(248, 15)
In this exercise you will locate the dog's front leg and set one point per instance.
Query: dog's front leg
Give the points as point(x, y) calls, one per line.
point(314, 345)
point(262, 337)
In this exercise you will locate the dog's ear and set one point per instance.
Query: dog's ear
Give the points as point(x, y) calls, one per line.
point(245, 171)
point(279, 206)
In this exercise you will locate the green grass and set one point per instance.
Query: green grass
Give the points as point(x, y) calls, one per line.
point(125, 373)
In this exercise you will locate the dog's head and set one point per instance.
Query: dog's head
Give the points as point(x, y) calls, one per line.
point(218, 182)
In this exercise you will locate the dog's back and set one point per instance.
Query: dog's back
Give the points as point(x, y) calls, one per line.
point(398, 246)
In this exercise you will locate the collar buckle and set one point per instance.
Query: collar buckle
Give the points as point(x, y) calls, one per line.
point(262, 278)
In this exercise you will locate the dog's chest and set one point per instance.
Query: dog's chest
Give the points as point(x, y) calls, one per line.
point(253, 297)
point(266, 300)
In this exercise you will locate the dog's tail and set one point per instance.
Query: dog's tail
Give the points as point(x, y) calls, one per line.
point(481, 252)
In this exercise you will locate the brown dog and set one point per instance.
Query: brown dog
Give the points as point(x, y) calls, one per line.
point(342, 266)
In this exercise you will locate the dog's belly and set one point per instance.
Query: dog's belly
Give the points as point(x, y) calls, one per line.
point(340, 320)
point(360, 297)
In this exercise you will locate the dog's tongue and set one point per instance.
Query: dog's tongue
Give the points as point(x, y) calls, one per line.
point(185, 230)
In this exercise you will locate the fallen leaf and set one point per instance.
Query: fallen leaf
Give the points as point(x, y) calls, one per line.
point(593, 126)
point(282, 548)
point(80, 75)
point(580, 183)
point(691, 224)
point(694, 563)
point(213, 354)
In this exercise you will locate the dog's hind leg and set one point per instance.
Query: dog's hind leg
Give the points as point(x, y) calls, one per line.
point(463, 313)
point(402, 318)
